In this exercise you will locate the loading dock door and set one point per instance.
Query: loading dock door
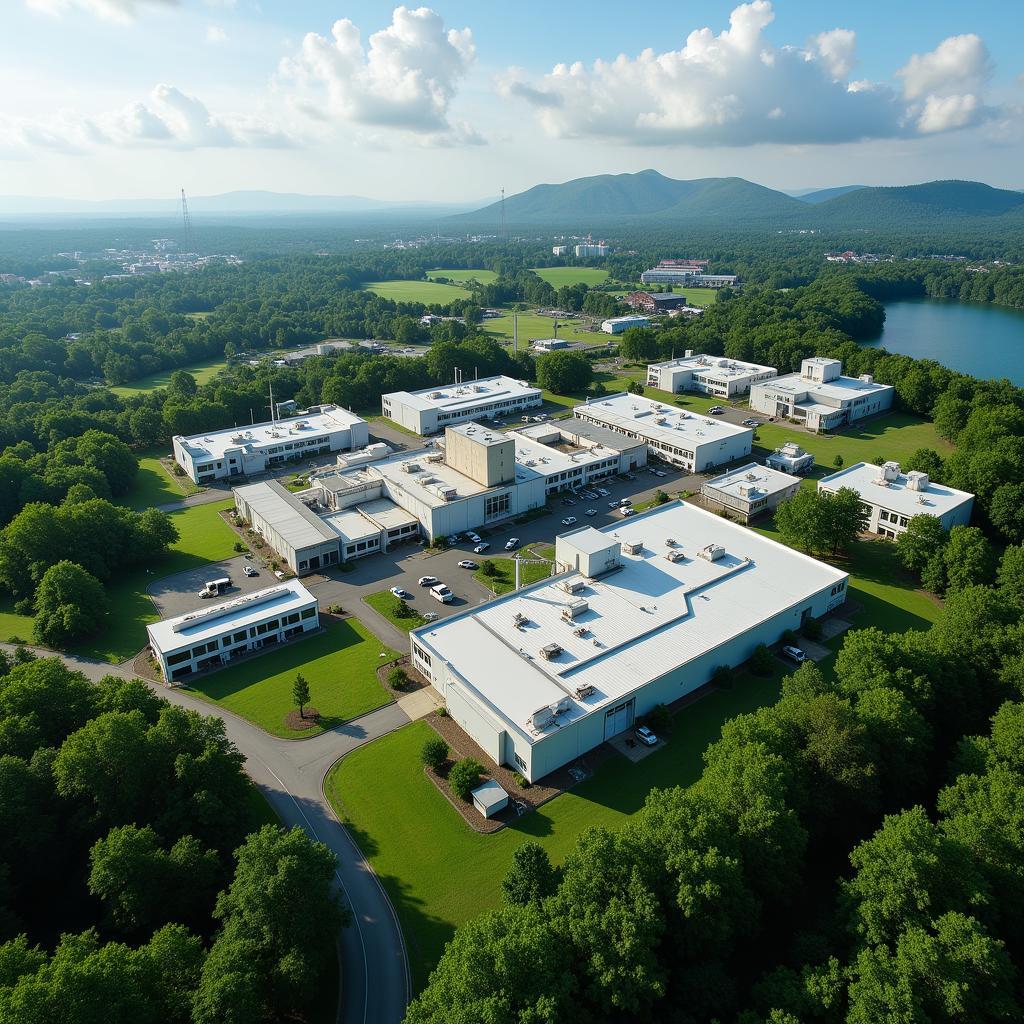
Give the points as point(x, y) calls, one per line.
point(618, 719)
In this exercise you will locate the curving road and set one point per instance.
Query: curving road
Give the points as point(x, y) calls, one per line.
point(375, 970)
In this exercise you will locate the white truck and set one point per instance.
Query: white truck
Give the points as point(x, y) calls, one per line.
point(214, 588)
point(443, 593)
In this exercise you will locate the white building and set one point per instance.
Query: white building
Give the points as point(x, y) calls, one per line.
point(893, 498)
point(790, 458)
point(641, 614)
point(749, 491)
point(712, 375)
point(819, 396)
point(694, 442)
point(559, 250)
point(618, 324)
point(674, 272)
point(217, 635)
point(591, 249)
point(549, 344)
point(433, 409)
point(247, 451)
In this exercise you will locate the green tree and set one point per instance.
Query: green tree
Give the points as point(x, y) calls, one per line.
point(300, 694)
point(837, 462)
point(1006, 510)
point(564, 372)
point(1010, 575)
point(70, 604)
point(435, 753)
point(968, 557)
point(635, 387)
point(531, 878)
point(464, 776)
point(919, 542)
point(820, 521)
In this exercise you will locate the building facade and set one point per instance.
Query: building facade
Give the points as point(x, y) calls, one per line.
point(749, 491)
point(820, 398)
point(639, 615)
point(790, 458)
point(218, 635)
point(655, 302)
point(618, 324)
point(892, 498)
point(710, 375)
point(248, 451)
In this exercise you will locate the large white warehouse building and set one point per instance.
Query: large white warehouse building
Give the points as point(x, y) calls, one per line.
point(247, 451)
point(686, 439)
point(432, 409)
point(641, 614)
point(712, 375)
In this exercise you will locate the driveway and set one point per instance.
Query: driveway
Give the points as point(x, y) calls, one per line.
point(178, 594)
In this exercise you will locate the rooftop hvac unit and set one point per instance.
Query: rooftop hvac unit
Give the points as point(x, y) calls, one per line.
point(675, 555)
point(542, 717)
point(917, 481)
point(712, 552)
point(574, 608)
point(572, 586)
point(550, 651)
point(561, 706)
point(888, 472)
point(434, 457)
point(867, 378)
point(672, 542)
point(633, 547)
point(479, 387)
point(410, 467)
point(584, 690)
point(519, 620)
point(435, 395)
point(723, 363)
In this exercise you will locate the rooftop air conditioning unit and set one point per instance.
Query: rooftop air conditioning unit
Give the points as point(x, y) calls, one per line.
point(633, 547)
point(575, 608)
point(889, 472)
point(572, 586)
point(519, 619)
point(712, 552)
point(917, 481)
point(542, 717)
point(549, 652)
point(675, 555)
point(561, 706)
point(410, 467)
point(867, 378)
point(583, 690)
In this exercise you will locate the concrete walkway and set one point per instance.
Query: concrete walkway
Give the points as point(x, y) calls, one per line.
point(376, 986)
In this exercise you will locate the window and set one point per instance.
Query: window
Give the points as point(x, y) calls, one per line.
point(838, 588)
point(308, 613)
point(177, 659)
point(520, 761)
point(239, 637)
point(421, 655)
point(496, 505)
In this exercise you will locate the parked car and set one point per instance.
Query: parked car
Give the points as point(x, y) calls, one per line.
point(454, 539)
point(468, 563)
point(443, 593)
point(613, 504)
point(628, 510)
point(568, 520)
point(481, 548)
point(568, 501)
point(400, 593)
point(429, 616)
point(474, 537)
point(794, 653)
point(659, 472)
point(603, 492)
point(591, 512)
point(512, 543)
point(645, 736)
point(716, 410)
point(625, 501)
point(427, 581)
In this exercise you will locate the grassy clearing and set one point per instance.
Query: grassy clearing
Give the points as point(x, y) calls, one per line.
point(439, 872)
point(558, 277)
point(203, 372)
point(203, 537)
point(12, 624)
point(533, 326)
point(339, 663)
point(482, 276)
point(385, 603)
point(611, 383)
point(155, 486)
point(504, 578)
point(418, 291)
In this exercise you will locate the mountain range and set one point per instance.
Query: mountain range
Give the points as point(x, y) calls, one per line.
point(650, 196)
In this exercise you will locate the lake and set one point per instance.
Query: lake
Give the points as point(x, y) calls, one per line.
point(978, 338)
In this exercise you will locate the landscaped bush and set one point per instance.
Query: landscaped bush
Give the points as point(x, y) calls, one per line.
point(435, 753)
point(398, 678)
point(722, 676)
point(788, 637)
point(521, 780)
point(812, 629)
point(402, 610)
point(762, 661)
point(464, 777)
point(488, 568)
point(659, 719)
point(239, 547)
point(442, 712)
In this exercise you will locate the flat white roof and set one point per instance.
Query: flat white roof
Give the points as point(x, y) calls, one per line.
point(236, 613)
point(643, 620)
point(387, 515)
point(767, 481)
point(490, 794)
point(651, 419)
point(628, 319)
point(329, 419)
point(276, 505)
point(478, 432)
point(715, 367)
point(895, 495)
point(532, 454)
point(423, 483)
point(350, 526)
point(452, 397)
point(842, 388)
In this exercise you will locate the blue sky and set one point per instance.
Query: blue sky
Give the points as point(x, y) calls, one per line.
point(137, 98)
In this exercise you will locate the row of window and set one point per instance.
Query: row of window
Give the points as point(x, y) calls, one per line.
point(885, 516)
point(496, 505)
point(241, 636)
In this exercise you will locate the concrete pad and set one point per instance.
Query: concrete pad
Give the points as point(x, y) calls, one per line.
point(638, 751)
point(834, 626)
point(420, 703)
point(814, 651)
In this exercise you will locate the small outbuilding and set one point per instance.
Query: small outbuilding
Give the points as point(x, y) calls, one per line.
point(489, 798)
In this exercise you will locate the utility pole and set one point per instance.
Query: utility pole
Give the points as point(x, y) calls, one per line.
point(515, 333)
point(186, 219)
point(503, 231)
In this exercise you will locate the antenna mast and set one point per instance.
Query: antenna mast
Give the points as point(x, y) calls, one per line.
point(503, 230)
point(186, 219)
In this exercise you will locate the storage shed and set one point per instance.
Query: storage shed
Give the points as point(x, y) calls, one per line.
point(489, 798)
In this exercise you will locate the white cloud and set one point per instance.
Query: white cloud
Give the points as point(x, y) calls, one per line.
point(215, 34)
point(113, 10)
point(735, 88)
point(406, 78)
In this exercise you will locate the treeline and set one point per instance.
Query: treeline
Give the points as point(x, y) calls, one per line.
point(136, 884)
point(851, 853)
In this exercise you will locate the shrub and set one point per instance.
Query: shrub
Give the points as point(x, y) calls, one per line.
point(434, 753)
point(761, 661)
point(521, 781)
point(442, 712)
point(660, 497)
point(464, 777)
point(788, 637)
point(879, 460)
point(398, 678)
point(178, 471)
point(402, 610)
point(722, 676)
point(812, 629)
point(659, 719)
point(239, 547)
point(488, 568)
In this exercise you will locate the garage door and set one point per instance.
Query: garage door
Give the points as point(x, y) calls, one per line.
point(618, 719)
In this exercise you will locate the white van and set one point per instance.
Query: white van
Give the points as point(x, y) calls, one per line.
point(215, 587)
point(442, 592)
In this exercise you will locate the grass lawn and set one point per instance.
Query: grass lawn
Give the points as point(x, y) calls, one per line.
point(155, 486)
point(339, 663)
point(417, 291)
point(203, 537)
point(438, 872)
point(385, 603)
point(611, 383)
point(559, 276)
point(12, 624)
point(533, 326)
point(483, 276)
point(203, 372)
point(694, 296)
point(505, 577)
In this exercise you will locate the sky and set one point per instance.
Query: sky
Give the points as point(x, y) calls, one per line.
point(108, 99)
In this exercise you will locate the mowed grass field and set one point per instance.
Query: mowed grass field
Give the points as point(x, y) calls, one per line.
point(483, 276)
point(386, 604)
point(504, 578)
point(12, 624)
point(203, 537)
point(533, 326)
point(339, 663)
point(438, 872)
point(557, 277)
point(426, 292)
point(203, 372)
point(154, 485)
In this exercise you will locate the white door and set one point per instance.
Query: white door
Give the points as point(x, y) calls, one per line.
point(618, 719)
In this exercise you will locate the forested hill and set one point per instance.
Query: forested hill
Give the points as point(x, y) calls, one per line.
point(737, 203)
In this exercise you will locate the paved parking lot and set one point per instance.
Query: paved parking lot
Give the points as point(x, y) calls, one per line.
point(178, 594)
